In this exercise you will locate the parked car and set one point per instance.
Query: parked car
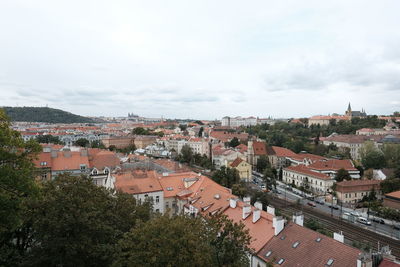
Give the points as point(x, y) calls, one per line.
point(378, 220)
point(396, 226)
point(333, 206)
point(263, 187)
point(363, 221)
point(312, 204)
point(320, 201)
point(276, 191)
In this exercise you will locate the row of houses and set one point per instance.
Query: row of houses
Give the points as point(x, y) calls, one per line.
point(273, 239)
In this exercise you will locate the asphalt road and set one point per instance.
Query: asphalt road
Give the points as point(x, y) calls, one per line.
point(385, 229)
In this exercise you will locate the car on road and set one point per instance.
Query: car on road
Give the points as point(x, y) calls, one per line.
point(312, 204)
point(363, 221)
point(320, 201)
point(276, 191)
point(333, 206)
point(378, 220)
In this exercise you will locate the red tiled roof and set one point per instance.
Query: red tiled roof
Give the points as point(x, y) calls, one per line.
point(282, 152)
point(137, 182)
point(308, 252)
point(333, 164)
point(388, 263)
point(302, 169)
point(260, 232)
point(395, 194)
point(259, 148)
point(63, 162)
point(103, 159)
point(236, 162)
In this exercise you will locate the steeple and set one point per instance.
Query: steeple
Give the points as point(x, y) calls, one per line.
point(349, 107)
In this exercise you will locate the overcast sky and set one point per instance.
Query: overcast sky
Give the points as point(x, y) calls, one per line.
point(201, 59)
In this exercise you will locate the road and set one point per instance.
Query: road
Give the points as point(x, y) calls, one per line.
point(289, 196)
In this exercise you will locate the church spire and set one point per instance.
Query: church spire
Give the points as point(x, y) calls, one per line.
point(349, 107)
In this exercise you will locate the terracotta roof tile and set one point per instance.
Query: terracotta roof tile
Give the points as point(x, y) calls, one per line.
point(309, 252)
point(137, 182)
point(302, 169)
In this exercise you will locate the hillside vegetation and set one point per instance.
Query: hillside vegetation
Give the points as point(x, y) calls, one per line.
point(44, 114)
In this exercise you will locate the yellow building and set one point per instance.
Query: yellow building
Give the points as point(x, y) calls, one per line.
point(243, 168)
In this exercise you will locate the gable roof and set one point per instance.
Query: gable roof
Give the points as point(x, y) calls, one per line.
point(308, 252)
point(137, 182)
point(302, 169)
point(333, 165)
point(259, 148)
point(281, 152)
point(236, 162)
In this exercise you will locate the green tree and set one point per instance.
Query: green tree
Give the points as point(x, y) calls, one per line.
point(186, 154)
point(97, 144)
point(392, 155)
point(77, 223)
point(372, 157)
point(262, 163)
point(16, 186)
point(390, 185)
point(140, 131)
point(341, 175)
point(234, 142)
point(83, 142)
point(183, 127)
point(226, 176)
point(184, 241)
point(48, 139)
point(201, 131)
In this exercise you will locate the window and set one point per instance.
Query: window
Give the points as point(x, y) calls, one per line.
point(157, 199)
point(106, 171)
point(43, 163)
point(318, 239)
point(281, 261)
point(44, 176)
point(330, 262)
point(268, 254)
point(83, 167)
point(157, 210)
point(94, 172)
point(295, 244)
point(146, 195)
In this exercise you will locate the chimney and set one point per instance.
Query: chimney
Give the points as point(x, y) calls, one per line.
point(246, 211)
point(256, 215)
point(364, 260)
point(258, 205)
point(246, 200)
point(278, 223)
point(298, 218)
point(339, 237)
point(271, 210)
point(232, 202)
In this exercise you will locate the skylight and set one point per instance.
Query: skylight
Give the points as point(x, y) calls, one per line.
point(283, 237)
point(169, 189)
point(281, 261)
point(330, 262)
point(295, 244)
point(318, 239)
point(268, 253)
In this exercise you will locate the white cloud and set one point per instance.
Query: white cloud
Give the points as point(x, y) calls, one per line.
point(203, 59)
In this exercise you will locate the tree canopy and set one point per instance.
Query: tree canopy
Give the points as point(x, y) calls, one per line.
point(49, 139)
point(184, 241)
point(341, 175)
point(16, 186)
point(372, 157)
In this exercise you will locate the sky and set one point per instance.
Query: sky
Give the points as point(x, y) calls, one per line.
point(201, 59)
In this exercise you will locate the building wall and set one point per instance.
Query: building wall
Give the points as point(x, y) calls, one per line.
point(318, 186)
point(354, 196)
point(118, 142)
point(391, 203)
point(158, 199)
point(244, 169)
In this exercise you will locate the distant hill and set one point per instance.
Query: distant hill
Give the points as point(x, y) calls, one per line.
point(44, 114)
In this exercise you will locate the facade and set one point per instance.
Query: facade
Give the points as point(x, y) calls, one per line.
point(199, 146)
point(119, 142)
point(238, 121)
point(301, 175)
point(142, 141)
point(325, 120)
point(255, 150)
point(352, 113)
point(243, 168)
point(350, 192)
point(392, 200)
point(278, 156)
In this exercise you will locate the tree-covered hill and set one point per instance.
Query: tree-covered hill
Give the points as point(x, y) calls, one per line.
point(44, 114)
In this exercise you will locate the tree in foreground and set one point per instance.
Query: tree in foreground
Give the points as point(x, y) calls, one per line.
point(16, 186)
point(76, 223)
point(184, 241)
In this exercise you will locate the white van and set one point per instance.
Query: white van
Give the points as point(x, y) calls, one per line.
point(363, 221)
